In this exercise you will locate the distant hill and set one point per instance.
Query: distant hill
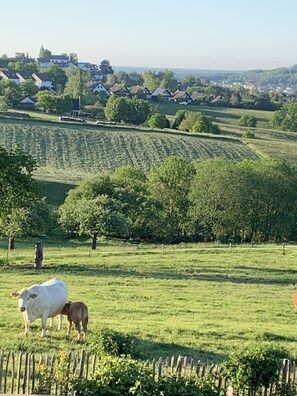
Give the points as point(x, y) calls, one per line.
point(141, 69)
point(282, 78)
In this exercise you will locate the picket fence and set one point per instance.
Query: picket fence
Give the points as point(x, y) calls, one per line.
point(20, 372)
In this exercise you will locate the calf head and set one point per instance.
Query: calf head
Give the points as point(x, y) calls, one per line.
point(24, 296)
point(65, 309)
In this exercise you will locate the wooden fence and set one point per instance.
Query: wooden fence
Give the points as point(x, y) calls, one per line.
point(25, 373)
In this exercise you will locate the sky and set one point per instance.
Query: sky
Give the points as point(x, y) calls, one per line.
point(190, 34)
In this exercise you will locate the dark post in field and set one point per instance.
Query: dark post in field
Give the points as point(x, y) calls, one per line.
point(38, 255)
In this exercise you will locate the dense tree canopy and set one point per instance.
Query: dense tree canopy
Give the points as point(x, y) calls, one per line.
point(131, 111)
point(286, 118)
point(208, 200)
point(18, 190)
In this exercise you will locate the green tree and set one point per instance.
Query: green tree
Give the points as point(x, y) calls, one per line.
point(46, 101)
point(90, 209)
point(193, 121)
point(151, 80)
point(105, 67)
point(12, 94)
point(73, 58)
point(130, 111)
point(77, 86)
point(64, 104)
point(58, 77)
point(44, 53)
point(117, 109)
point(168, 81)
point(247, 120)
point(158, 121)
point(139, 208)
point(247, 201)
point(286, 118)
point(170, 184)
point(24, 67)
point(18, 190)
point(179, 117)
point(28, 88)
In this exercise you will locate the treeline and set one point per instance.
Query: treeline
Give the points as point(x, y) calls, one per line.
point(212, 200)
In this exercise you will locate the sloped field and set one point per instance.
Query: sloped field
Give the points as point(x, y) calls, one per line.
point(70, 153)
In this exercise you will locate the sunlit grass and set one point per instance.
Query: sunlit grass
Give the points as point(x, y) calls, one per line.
point(200, 300)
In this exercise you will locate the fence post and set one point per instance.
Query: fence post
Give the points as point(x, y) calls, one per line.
point(1, 368)
point(38, 255)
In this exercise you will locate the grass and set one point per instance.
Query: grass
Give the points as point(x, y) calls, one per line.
point(203, 301)
point(69, 153)
point(220, 115)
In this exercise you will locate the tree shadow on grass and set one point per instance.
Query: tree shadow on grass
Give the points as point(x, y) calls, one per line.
point(202, 274)
point(145, 350)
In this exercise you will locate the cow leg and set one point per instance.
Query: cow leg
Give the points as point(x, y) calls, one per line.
point(43, 325)
point(78, 330)
point(60, 322)
point(52, 322)
point(27, 326)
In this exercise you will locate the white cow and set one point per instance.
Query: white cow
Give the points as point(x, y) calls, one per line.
point(42, 301)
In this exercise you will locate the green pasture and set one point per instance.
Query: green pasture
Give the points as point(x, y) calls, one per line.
point(203, 301)
point(220, 115)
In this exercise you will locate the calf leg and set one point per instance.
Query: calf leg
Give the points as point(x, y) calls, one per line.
point(85, 325)
point(78, 330)
point(69, 326)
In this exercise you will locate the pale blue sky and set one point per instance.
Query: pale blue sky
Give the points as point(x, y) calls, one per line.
point(201, 34)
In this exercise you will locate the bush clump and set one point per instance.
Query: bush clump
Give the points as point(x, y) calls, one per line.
point(114, 343)
point(252, 369)
point(124, 376)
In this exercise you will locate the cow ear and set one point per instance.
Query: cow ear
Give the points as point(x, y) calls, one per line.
point(14, 295)
point(33, 295)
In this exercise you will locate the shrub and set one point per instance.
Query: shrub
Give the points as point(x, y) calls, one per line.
point(248, 134)
point(113, 343)
point(250, 370)
point(247, 121)
point(176, 385)
point(116, 376)
point(158, 121)
point(124, 376)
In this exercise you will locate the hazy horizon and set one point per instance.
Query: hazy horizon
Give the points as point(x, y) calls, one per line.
point(194, 34)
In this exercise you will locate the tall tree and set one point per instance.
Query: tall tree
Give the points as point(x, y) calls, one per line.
point(44, 53)
point(105, 67)
point(139, 208)
point(18, 190)
point(77, 85)
point(90, 210)
point(151, 80)
point(170, 183)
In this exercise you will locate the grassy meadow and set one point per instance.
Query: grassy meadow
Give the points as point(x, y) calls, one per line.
point(203, 301)
point(69, 153)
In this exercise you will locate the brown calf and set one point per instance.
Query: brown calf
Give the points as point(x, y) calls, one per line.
point(76, 312)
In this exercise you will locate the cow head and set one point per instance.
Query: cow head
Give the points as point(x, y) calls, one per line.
point(65, 309)
point(24, 296)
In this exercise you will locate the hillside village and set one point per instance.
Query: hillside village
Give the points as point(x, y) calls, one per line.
point(57, 73)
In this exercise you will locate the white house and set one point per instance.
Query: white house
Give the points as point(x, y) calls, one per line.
point(59, 60)
point(42, 80)
point(7, 74)
point(86, 66)
point(100, 88)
